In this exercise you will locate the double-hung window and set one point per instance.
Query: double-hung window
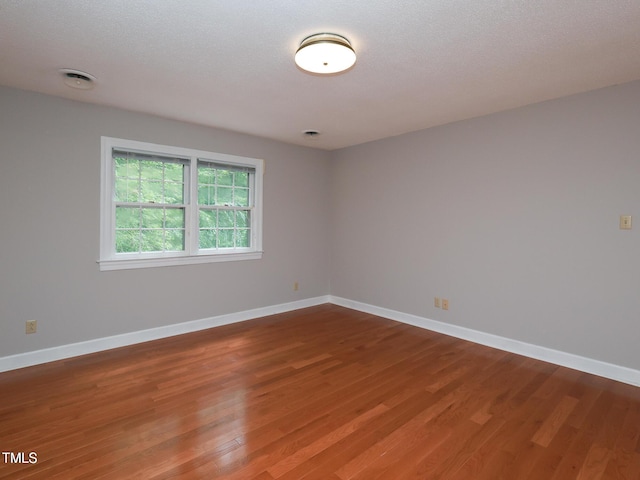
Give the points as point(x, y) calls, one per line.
point(164, 205)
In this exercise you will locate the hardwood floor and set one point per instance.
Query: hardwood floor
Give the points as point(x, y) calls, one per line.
point(322, 393)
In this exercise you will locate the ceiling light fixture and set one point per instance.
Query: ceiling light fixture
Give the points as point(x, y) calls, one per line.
point(325, 53)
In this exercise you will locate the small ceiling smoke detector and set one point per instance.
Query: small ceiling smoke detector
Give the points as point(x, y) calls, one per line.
point(325, 53)
point(77, 79)
point(311, 134)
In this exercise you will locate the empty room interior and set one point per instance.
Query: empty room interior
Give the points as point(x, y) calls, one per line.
point(222, 256)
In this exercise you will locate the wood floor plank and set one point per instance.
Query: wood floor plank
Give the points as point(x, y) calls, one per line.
point(291, 461)
point(595, 463)
point(554, 421)
point(546, 463)
point(321, 393)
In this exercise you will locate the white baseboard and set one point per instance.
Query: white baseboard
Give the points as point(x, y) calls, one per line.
point(100, 344)
point(576, 362)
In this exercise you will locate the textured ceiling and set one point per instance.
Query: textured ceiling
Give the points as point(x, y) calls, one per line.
point(229, 63)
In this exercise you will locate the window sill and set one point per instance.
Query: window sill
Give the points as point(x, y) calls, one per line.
point(131, 263)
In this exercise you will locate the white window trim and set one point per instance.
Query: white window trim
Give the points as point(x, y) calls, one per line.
point(110, 260)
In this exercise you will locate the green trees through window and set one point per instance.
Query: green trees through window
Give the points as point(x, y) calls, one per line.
point(223, 201)
point(150, 206)
point(164, 205)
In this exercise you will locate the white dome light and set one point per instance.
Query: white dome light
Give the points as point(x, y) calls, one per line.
point(325, 53)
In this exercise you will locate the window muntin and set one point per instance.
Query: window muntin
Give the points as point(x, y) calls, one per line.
point(164, 205)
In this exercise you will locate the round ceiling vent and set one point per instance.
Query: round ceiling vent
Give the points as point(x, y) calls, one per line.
point(311, 134)
point(77, 79)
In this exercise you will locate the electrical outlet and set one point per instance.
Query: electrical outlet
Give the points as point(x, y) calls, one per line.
point(445, 304)
point(436, 302)
point(625, 222)
point(31, 326)
point(295, 286)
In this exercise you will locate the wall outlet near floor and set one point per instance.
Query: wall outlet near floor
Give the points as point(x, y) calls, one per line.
point(436, 302)
point(625, 222)
point(445, 304)
point(295, 286)
point(31, 326)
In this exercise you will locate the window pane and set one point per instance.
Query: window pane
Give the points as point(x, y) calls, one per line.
point(152, 217)
point(149, 229)
point(126, 168)
point(173, 192)
point(151, 240)
point(127, 241)
point(151, 170)
point(225, 238)
point(151, 192)
point(206, 195)
point(242, 219)
point(224, 177)
point(242, 179)
point(174, 172)
point(225, 218)
point(208, 218)
point(225, 196)
point(126, 190)
point(241, 197)
point(174, 218)
point(127, 217)
point(206, 175)
point(148, 181)
point(120, 165)
point(242, 238)
point(174, 240)
point(207, 238)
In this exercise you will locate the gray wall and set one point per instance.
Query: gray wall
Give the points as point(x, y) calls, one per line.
point(49, 228)
point(513, 217)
